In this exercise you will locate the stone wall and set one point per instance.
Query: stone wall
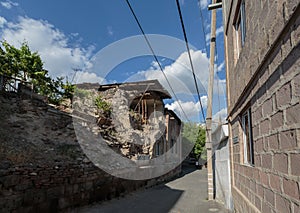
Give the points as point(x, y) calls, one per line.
point(266, 78)
point(61, 186)
point(42, 167)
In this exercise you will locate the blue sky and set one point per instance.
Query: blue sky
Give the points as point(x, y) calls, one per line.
point(68, 34)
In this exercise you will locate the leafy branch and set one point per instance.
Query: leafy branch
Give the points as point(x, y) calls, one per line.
point(28, 67)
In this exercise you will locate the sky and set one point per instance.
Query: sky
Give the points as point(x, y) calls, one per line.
point(99, 41)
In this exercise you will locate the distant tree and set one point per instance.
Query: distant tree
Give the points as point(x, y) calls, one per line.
point(195, 135)
point(190, 132)
point(199, 148)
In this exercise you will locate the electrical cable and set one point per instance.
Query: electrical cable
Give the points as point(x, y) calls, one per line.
point(155, 57)
point(190, 58)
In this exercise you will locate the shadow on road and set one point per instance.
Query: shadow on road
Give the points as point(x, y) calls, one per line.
point(187, 193)
point(157, 199)
point(187, 168)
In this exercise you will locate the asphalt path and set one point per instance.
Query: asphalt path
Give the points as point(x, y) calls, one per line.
point(186, 194)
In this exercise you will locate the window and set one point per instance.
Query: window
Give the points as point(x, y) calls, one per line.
point(247, 138)
point(240, 27)
point(157, 148)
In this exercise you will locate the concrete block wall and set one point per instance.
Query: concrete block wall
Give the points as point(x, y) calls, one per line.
point(266, 78)
point(264, 22)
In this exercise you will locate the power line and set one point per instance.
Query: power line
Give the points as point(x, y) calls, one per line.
point(155, 57)
point(190, 58)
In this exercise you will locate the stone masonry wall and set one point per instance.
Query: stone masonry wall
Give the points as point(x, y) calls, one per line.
point(266, 78)
point(42, 167)
point(61, 187)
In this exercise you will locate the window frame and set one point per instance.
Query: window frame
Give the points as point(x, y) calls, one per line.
point(240, 27)
point(248, 146)
point(157, 148)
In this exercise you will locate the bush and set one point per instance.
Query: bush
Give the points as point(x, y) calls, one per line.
point(102, 105)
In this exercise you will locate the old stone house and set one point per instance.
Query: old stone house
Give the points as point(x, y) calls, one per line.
point(145, 128)
point(170, 143)
point(263, 92)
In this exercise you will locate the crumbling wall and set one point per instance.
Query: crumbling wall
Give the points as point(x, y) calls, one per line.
point(42, 167)
point(118, 128)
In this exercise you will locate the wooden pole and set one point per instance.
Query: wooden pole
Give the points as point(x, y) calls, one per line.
point(209, 146)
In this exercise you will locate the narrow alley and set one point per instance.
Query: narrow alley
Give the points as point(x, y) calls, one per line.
point(188, 193)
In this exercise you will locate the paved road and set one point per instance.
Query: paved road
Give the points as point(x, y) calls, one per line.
point(187, 194)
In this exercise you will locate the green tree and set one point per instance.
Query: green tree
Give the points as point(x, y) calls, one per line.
point(199, 148)
point(195, 136)
point(69, 90)
point(28, 67)
point(10, 59)
point(190, 132)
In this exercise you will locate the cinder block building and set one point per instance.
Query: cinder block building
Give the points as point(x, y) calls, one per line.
point(263, 90)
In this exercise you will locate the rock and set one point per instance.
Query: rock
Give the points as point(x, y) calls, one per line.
point(70, 126)
point(86, 160)
point(79, 159)
point(5, 164)
point(101, 121)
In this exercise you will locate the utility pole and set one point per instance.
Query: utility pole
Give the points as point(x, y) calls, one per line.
point(209, 146)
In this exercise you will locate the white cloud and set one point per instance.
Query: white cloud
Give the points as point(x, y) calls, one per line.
point(155, 65)
point(52, 45)
point(2, 21)
point(218, 32)
point(74, 34)
point(9, 4)
point(87, 77)
point(221, 115)
point(191, 109)
point(221, 67)
point(181, 79)
point(204, 4)
point(179, 74)
point(110, 31)
point(220, 88)
point(207, 37)
point(207, 27)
